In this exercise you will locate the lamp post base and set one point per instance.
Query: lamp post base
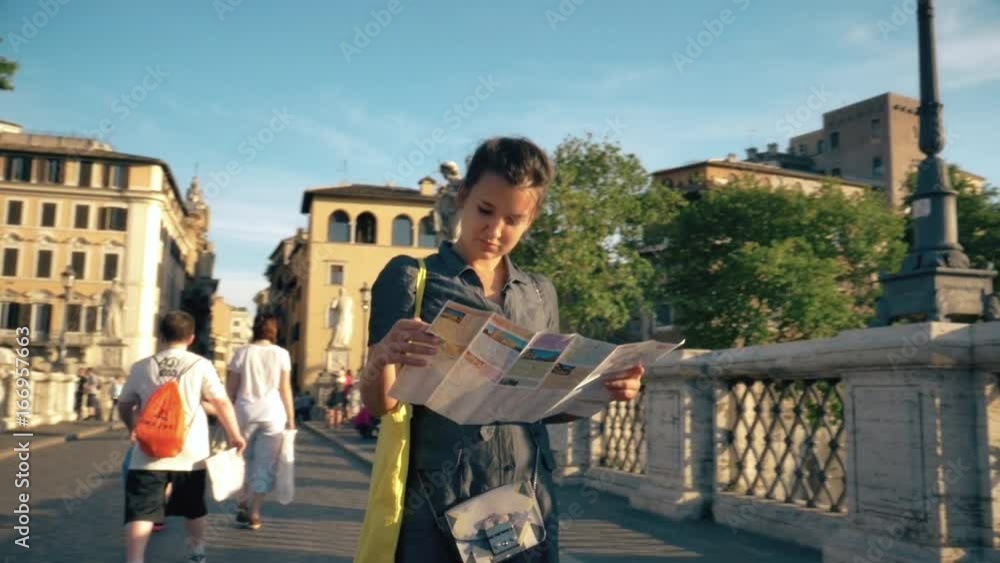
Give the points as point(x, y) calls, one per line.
point(935, 294)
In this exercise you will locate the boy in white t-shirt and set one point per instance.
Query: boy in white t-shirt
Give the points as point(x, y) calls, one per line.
point(145, 501)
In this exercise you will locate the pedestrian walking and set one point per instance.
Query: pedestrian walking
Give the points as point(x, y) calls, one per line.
point(116, 393)
point(92, 388)
point(451, 463)
point(150, 384)
point(259, 383)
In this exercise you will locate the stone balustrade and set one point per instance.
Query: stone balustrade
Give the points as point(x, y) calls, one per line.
point(878, 445)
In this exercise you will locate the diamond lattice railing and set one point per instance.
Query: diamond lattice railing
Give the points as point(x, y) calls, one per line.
point(784, 441)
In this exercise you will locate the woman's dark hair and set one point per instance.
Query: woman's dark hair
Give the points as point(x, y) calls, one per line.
point(517, 160)
point(265, 327)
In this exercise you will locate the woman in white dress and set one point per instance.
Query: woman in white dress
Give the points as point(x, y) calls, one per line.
point(259, 384)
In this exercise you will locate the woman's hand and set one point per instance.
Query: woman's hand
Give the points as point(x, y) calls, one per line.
point(625, 386)
point(407, 344)
point(290, 425)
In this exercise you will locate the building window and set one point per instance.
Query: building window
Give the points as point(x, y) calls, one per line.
point(402, 231)
point(802, 149)
point(79, 264)
point(19, 168)
point(664, 315)
point(835, 172)
point(91, 322)
point(339, 228)
point(81, 217)
point(336, 274)
point(42, 317)
point(54, 170)
point(427, 238)
point(876, 128)
point(834, 140)
point(364, 232)
point(15, 212)
point(73, 317)
point(112, 219)
point(10, 262)
point(48, 215)
point(13, 315)
point(44, 267)
point(86, 173)
point(110, 267)
point(878, 169)
point(819, 146)
point(116, 176)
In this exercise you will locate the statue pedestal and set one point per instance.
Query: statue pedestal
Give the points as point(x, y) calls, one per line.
point(338, 359)
point(107, 357)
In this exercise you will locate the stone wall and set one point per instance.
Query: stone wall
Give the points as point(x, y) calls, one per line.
point(916, 435)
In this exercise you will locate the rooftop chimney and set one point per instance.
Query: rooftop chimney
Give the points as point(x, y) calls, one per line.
point(428, 186)
point(772, 149)
point(752, 153)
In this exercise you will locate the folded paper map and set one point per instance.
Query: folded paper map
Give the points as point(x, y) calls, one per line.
point(491, 370)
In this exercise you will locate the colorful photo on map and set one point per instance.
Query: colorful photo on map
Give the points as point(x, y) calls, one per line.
point(563, 369)
point(506, 338)
point(481, 367)
point(453, 315)
point(540, 355)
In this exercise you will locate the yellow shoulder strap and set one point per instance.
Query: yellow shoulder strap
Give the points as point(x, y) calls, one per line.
point(421, 284)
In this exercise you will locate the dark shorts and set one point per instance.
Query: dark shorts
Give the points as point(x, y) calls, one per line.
point(144, 495)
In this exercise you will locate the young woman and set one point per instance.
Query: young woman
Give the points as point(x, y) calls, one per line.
point(259, 384)
point(499, 199)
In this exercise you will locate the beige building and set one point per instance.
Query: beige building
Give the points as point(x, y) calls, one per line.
point(241, 325)
point(77, 204)
point(718, 173)
point(320, 273)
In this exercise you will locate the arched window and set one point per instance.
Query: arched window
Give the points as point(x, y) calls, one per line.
point(427, 238)
point(339, 229)
point(402, 231)
point(364, 231)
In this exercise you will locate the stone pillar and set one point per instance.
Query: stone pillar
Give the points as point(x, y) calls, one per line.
point(680, 426)
point(143, 247)
point(920, 450)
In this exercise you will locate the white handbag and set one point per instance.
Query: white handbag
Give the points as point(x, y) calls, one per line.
point(226, 471)
point(284, 472)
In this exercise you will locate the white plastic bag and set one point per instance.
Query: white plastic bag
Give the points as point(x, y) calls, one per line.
point(284, 474)
point(226, 471)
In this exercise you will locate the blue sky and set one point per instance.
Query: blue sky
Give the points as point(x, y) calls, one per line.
point(434, 78)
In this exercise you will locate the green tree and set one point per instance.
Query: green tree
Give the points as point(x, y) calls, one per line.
point(751, 265)
point(588, 236)
point(7, 70)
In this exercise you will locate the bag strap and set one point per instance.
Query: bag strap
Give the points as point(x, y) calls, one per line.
point(421, 286)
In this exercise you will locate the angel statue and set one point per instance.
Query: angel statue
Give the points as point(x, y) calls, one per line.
point(342, 320)
point(446, 207)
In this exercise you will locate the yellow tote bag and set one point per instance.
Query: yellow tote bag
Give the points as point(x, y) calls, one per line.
point(384, 515)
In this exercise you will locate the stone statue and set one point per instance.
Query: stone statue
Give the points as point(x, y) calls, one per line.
point(113, 303)
point(446, 217)
point(344, 321)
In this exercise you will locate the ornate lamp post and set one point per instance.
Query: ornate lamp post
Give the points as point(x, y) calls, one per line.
point(68, 278)
point(366, 301)
point(936, 282)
